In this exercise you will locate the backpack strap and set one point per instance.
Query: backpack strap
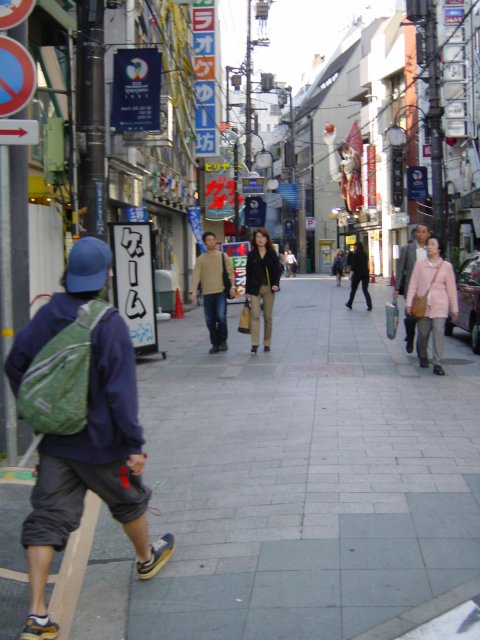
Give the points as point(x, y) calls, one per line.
point(92, 312)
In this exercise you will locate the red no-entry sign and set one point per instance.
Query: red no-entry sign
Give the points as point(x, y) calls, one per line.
point(18, 77)
point(14, 12)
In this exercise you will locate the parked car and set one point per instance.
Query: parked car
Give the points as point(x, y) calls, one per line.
point(468, 291)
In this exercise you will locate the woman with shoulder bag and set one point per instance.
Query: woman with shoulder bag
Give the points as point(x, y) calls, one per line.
point(263, 281)
point(434, 279)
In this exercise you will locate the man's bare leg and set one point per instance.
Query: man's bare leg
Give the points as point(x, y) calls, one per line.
point(39, 562)
point(137, 531)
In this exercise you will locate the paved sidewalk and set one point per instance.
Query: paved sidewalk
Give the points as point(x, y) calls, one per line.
point(328, 490)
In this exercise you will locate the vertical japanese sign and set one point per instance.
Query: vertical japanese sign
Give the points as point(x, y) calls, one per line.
point(134, 291)
point(136, 90)
point(205, 40)
point(238, 253)
point(371, 175)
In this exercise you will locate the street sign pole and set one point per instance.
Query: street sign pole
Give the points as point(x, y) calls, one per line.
point(6, 301)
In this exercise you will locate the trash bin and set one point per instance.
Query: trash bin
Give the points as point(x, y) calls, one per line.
point(164, 290)
point(308, 265)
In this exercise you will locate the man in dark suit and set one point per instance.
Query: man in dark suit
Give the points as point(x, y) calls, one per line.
point(409, 254)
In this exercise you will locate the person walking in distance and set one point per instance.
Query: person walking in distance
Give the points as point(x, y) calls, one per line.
point(208, 273)
point(358, 262)
point(106, 456)
point(291, 265)
point(433, 277)
point(263, 281)
point(338, 266)
point(409, 255)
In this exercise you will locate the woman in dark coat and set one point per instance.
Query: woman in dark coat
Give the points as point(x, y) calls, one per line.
point(263, 281)
point(358, 262)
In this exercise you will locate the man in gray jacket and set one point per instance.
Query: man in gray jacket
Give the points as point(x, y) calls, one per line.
point(409, 254)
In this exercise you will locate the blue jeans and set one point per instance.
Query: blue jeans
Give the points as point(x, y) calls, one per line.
point(215, 308)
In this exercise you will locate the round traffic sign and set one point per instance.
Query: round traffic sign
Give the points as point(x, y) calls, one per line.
point(13, 12)
point(18, 76)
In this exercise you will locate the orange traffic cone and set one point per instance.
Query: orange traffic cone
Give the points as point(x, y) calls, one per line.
point(178, 315)
point(372, 278)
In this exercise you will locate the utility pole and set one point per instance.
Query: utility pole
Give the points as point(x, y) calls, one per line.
point(91, 113)
point(434, 118)
point(248, 104)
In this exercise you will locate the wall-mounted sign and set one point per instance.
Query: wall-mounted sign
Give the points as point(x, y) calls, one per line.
point(453, 15)
point(253, 185)
point(205, 63)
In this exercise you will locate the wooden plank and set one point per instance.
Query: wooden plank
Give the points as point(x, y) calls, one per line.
point(68, 584)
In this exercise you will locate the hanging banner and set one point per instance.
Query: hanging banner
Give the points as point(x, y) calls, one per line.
point(134, 290)
point(193, 214)
point(417, 183)
point(136, 90)
point(255, 211)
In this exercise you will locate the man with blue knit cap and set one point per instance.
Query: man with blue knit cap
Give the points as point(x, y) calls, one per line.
point(106, 457)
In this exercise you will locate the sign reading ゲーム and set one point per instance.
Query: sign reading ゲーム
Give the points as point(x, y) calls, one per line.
point(18, 78)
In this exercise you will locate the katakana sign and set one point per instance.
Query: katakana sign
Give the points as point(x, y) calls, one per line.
point(238, 252)
point(204, 66)
point(134, 290)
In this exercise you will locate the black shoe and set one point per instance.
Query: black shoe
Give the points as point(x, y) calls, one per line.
point(214, 349)
point(347, 304)
point(424, 363)
point(409, 346)
point(369, 308)
point(223, 346)
point(438, 370)
point(254, 348)
point(266, 348)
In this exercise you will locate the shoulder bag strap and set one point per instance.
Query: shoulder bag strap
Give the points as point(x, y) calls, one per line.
point(433, 279)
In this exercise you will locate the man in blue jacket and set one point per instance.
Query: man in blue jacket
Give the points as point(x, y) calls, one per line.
point(106, 457)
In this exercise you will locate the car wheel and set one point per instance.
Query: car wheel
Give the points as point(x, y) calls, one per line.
point(475, 338)
point(448, 327)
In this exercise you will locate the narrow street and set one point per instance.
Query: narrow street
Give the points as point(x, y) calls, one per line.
point(327, 490)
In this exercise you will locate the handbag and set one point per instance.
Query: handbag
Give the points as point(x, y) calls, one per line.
point(419, 306)
point(392, 317)
point(227, 285)
point(244, 322)
point(419, 303)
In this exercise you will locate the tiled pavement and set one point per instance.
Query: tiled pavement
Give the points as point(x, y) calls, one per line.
point(328, 490)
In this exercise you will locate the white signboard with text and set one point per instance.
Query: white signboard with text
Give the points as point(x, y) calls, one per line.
point(133, 283)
